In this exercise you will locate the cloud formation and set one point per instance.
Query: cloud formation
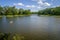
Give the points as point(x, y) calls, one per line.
point(21, 4)
point(30, 6)
point(18, 4)
point(38, 7)
point(42, 3)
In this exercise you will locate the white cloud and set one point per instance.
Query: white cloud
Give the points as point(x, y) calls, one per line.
point(38, 7)
point(42, 3)
point(18, 4)
point(47, 4)
point(30, 6)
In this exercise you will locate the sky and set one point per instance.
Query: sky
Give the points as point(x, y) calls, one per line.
point(33, 5)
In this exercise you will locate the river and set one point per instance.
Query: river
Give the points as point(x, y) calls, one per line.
point(34, 27)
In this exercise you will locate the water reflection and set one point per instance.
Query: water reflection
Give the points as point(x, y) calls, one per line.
point(34, 26)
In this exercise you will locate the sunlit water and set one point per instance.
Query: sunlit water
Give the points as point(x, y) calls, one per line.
point(32, 27)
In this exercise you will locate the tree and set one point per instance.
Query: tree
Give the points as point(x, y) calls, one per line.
point(1, 10)
point(50, 11)
point(21, 11)
point(27, 12)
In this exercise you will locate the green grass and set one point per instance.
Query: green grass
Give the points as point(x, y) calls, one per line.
point(10, 36)
point(0, 16)
point(13, 15)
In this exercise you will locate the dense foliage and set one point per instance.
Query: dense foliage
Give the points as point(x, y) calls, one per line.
point(50, 11)
point(13, 11)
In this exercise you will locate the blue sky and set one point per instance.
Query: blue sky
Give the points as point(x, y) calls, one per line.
point(33, 5)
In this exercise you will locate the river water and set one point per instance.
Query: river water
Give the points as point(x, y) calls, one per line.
point(33, 27)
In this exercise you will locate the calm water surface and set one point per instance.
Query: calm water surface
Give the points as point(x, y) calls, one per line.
point(33, 27)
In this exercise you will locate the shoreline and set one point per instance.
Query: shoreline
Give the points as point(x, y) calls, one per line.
point(26, 15)
point(13, 15)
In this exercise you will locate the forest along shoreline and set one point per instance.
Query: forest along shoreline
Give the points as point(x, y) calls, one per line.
point(13, 11)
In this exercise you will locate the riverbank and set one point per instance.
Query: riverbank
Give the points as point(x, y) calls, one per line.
point(10, 36)
point(13, 15)
point(26, 15)
point(49, 15)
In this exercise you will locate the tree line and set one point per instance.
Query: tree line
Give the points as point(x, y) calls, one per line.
point(13, 11)
point(50, 11)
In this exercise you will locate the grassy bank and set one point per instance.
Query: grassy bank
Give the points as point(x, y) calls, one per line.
point(13, 15)
point(48, 15)
point(10, 36)
point(26, 15)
